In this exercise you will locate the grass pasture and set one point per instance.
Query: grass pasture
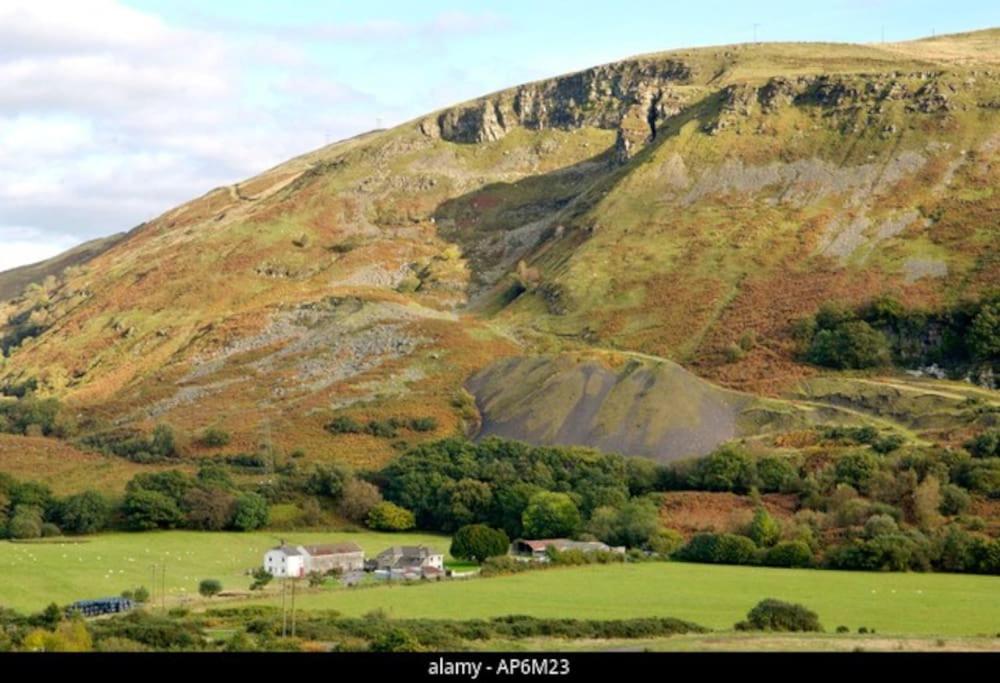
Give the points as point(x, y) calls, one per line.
point(64, 570)
point(894, 604)
point(711, 595)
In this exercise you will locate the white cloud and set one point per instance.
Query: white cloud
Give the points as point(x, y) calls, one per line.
point(109, 116)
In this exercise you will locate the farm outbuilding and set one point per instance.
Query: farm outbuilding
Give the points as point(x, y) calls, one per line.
point(538, 549)
point(409, 560)
point(288, 561)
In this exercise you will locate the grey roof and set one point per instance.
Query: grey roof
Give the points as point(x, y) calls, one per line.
point(287, 550)
point(408, 551)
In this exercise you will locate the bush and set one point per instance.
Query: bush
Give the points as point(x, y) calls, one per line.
point(954, 500)
point(251, 512)
point(50, 530)
point(145, 510)
point(728, 469)
point(718, 549)
point(985, 445)
point(384, 429)
point(789, 554)
point(85, 513)
point(210, 587)
point(214, 438)
point(884, 552)
point(888, 443)
point(329, 480)
point(984, 333)
point(764, 530)
point(665, 542)
point(387, 516)
point(358, 499)
point(775, 473)
point(261, 577)
point(344, 425)
point(423, 424)
point(849, 345)
point(479, 542)
point(856, 469)
point(775, 615)
point(26, 522)
point(631, 524)
point(394, 639)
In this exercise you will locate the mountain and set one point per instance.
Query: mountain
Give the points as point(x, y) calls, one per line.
point(13, 281)
point(649, 229)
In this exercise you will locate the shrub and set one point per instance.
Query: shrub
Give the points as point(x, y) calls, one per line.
point(384, 429)
point(954, 500)
point(344, 425)
point(985, 445)
point(145, 510)
point(789, 554)
point(775, 473)
point(210, 587)
point(631, 524)
point(208, 509)
point(984, 333)
point(261, 577)
point(856, 469)
point(358, 499)
point(849, 345)
point(329, 480)
point(728, 469)
point(251, 512)
point(888, 443)
point(214, 438)
point(423, 424)
point(718, 549)
point(775, 615)
point(478, 542)
point(50, 530)
point(394, 639)
point(26, 522)
point(764, 529)
point(665, 542)
point(387, 516)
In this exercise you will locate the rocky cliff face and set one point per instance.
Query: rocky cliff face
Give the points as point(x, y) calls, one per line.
point(629, 96)
point(635, 97)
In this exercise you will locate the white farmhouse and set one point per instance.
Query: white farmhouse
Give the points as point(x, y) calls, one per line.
point(284, 562)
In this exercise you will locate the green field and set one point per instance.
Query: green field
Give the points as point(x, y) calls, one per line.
point(36, 574)
point(710, 595)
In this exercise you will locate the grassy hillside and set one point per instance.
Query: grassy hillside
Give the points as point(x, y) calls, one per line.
point(687, 206)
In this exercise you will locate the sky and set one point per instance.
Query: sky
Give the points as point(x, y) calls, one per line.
point(114, 111)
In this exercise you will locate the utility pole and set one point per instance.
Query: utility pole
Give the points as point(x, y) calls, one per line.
point(284, 614)
point(755, 32)
point(293, 607)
